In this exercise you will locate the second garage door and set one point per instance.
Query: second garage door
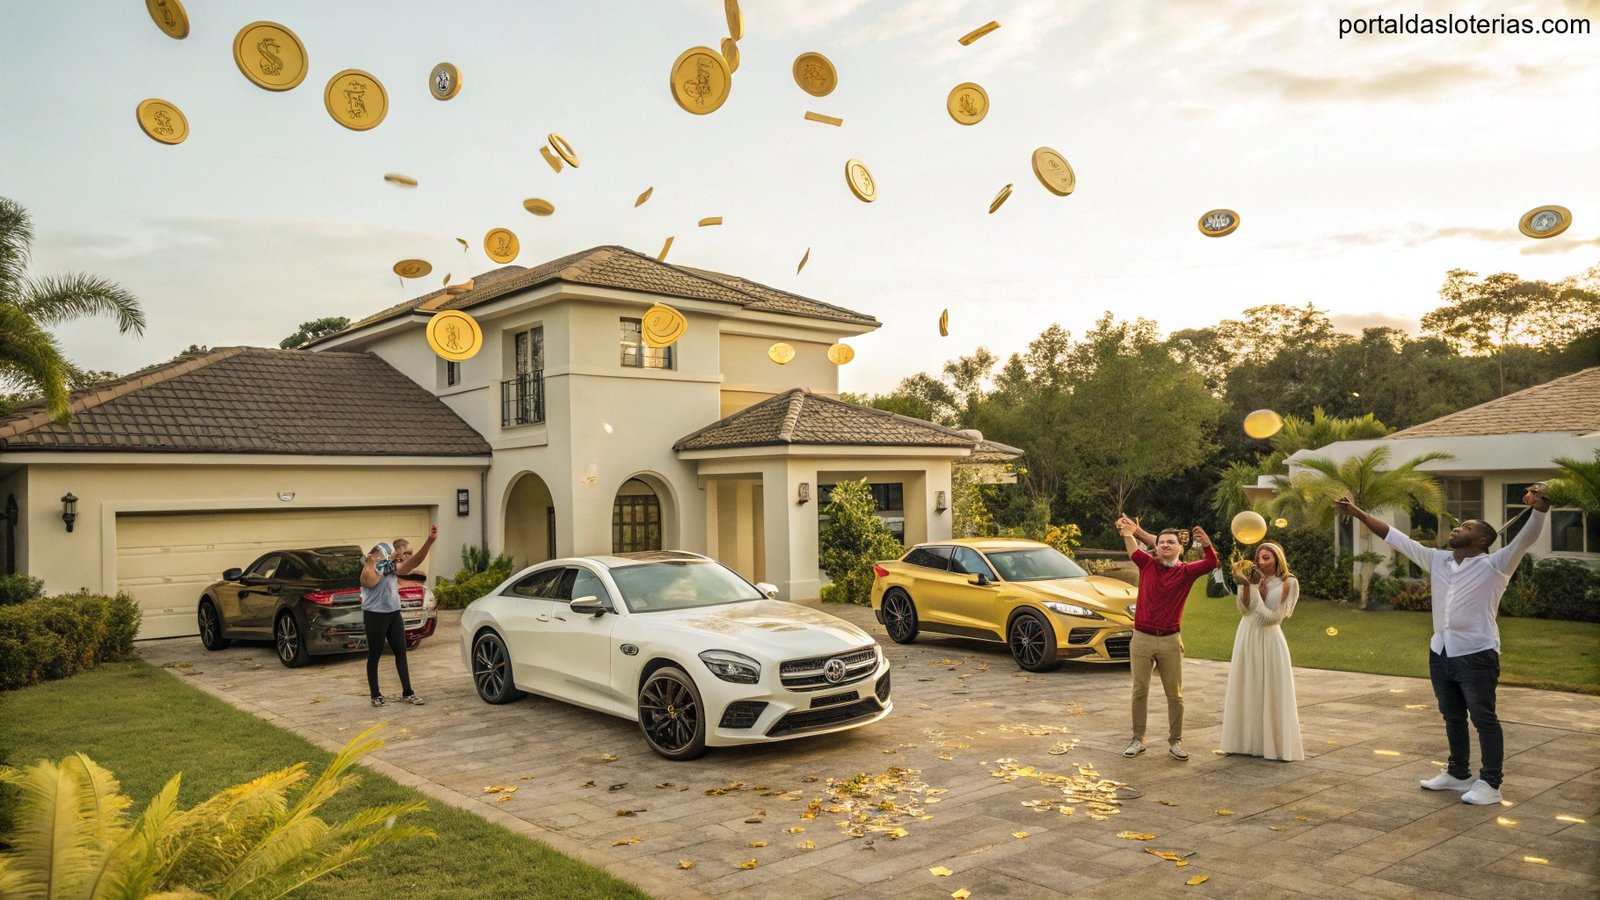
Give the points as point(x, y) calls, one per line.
point(165, 560)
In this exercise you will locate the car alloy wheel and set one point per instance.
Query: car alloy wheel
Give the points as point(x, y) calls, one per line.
point(1032, 641)
point(211, 628)
point(491, 669)
point(290, 643)
point(899, 617)
point(671, 715)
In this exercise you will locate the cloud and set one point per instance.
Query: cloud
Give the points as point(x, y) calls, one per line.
point(805, 15)
point(1404, 83)
point(1355, 323)
point(1422, 234)
point(1561, 244)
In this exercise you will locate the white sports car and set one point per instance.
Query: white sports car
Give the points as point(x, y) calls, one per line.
point(678, 642)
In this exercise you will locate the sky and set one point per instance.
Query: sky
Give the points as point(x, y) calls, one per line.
point(1363, 168)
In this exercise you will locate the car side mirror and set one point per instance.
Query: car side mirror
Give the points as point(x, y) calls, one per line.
point(588, 606)
point(980, 579)
point(769, 591)
point(233, 575)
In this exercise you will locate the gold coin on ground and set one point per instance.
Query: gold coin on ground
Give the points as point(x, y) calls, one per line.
point(356, 100)
point(559, 144)
point(968, 103)
point(402, 180)
point(538, 207)
point(701, 80)
point(978, 32)
point(735, 19)
point(552, 160)
point(1053, 171)
point(412, 268)
point(780, 353)
point(662, 256)
point(270, 55)
point(944, 324)
point(454, 335)
point(170, 17)
point(162, 121)
point(860, 181)
point(643, 197)
point(815, 74)
point(730, 53)
point(826, 120)
point(501, 245)
point(803, 260)
point(1545, 221)
point(1332, 631)
point(661, 326)
point(839, 354)
point(999, 199)
point(444, 82)
point(1218, 222)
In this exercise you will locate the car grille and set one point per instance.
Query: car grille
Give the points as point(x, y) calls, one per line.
point(824, 718)
point(1081, 635)
point(806, 674)
point(743, 713)
point(882, 691)
point(1117, 646)
point(835, 700)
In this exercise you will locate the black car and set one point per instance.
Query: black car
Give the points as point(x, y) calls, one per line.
point(307, 602)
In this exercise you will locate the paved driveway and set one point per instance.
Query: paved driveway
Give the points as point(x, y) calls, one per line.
point(977, 736)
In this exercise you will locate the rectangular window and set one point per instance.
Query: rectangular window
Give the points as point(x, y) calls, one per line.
point(529, 351)
point(1573, 531)
point(635, 523)
point(637, 355)
point(1463, 500)
point(452, 373)
point(1514, 507)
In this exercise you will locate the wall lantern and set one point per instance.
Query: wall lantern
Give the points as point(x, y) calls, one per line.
point(69, 510)
point(463, 504)
point(940, 503)
point(805, 492)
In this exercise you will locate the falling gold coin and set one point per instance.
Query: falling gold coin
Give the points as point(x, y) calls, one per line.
point(1332, 631)
point(402, 180)
point(662, 256)
point(860, 181)
point(730, 54)
point(968, 103)
point(539, 207)
point(1000, 199)
point(412, 268)
point(944, 324)
point(454, 335)
point(162, 121)
point(1262, 424)
point(356, 100)
point(463, 243)
point(701, 80)
point(501, 245)
point(444, 82)
point(735, 19)
point(643, 197)
point(551, 160)
point(1053, 171)
point(781, 353)
point(815, 74)
point(826, 120)
point(461, 288)
point(1545, 221)
point(170, 17)
point(710, 220)
point(1218, 222)
point(803, 260)
point(978, 32)
point(840, 354)
point(270, 55)
point(559, 144)
point(1280, 523)
point(661, 326)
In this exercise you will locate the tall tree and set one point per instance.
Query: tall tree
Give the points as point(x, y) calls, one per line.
point(316, 328)
point(1490, 314)
point(30, 356)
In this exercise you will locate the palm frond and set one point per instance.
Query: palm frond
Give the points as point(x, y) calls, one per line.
point(16, 236)
point(67, 814)
point(1578, 485)
point(143, 863)
point(53, 299)
point(30, 354)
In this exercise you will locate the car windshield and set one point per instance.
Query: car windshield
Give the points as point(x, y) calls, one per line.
point(656, 586)
point(1034, 564)
point(337, 565)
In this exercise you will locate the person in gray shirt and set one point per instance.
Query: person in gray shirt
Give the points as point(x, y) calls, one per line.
point(380, 612)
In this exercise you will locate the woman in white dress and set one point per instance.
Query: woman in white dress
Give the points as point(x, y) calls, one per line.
point(1259, 717)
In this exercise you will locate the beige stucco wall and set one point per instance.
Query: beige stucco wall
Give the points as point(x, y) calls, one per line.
point(750, 376)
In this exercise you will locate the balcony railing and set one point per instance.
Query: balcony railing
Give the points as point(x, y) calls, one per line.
point(522, 400)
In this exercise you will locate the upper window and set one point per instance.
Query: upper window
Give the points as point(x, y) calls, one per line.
point(452, 373)
point(929, 557)
point(638, 355)
point(529, 351)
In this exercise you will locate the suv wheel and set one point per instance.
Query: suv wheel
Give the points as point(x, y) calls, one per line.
point(1032, 642)
point(211, 627)
point(289, 641)
point(671, 714)
point(491, 669)
point(899, 616)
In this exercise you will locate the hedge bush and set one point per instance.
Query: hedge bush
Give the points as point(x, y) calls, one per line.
point(19, 588)
point(1566, 589)
point(56, 637)
point(466, 587)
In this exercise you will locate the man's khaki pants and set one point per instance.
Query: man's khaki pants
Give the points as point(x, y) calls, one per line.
point(1165, 655)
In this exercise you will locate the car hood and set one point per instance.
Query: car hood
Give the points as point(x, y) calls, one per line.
point(1095, 591)
point(776, 628)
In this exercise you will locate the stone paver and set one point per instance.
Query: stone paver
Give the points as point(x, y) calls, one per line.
point(1348, 821)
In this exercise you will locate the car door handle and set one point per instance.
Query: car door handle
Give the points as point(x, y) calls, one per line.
point(541, 618)
point(559, 619)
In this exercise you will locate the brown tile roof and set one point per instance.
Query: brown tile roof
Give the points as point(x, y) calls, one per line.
point(1570, 404)
point(254, 400)
point(801, 417)
point(624, 269)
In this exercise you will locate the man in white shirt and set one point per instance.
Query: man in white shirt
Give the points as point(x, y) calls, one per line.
point(1464, 655)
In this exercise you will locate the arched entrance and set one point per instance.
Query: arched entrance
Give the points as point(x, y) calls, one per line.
point(635, 518)
point(530, 521)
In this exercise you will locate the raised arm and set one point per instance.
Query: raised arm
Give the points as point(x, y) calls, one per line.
point(1505, 559)
point(406, 566)
point(1145, 538)
point(1347, 508)
point(1126, 528)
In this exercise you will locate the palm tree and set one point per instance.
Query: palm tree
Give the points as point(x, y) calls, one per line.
point(30, 355)
point(1228, 495)
point(1578, 484)
point(1371, 486)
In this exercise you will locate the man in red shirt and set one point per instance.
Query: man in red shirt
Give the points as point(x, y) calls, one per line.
point(1164, 583)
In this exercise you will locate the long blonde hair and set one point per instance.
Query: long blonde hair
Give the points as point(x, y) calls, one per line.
point(1278, 557)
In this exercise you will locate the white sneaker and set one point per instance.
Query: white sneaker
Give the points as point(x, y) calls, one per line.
point(1176, 749)
point(1135, 748)
point(1444, 781)
point(1482, 794)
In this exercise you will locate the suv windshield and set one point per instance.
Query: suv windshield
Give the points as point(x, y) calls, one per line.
point(652, 587)
point(1034, 564)
point(337, 565)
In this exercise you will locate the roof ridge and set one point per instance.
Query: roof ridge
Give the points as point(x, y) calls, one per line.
point(691, 272)
point(920, 423)
point(774, 399)
point(791, 417)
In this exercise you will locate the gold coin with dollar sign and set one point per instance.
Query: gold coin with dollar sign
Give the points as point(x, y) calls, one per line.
point(170, 17)
point(454, 335)
point(501, 245)
point(412, 268)
point(701, 80)
point(162, 121)
point(661, 326)
point(356, 100)
point(270, 55)
point(780, 353)
point(968, 103)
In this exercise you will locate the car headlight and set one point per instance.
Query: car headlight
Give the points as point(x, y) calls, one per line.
point(731, 666)
point(1068, 609)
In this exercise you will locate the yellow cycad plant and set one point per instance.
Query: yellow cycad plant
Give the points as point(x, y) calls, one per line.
point(260, 839)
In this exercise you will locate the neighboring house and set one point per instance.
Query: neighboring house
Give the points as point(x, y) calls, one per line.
point(564, 435)
point(1498, 448)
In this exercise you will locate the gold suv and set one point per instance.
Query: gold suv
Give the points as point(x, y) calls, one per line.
point(1043, 605)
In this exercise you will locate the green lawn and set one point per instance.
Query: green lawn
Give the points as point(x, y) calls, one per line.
point(144, 725)
point(1540, 653)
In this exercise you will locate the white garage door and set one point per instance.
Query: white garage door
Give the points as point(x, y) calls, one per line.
point(165, 560)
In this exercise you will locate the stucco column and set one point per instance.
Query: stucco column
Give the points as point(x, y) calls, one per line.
point(791, 529)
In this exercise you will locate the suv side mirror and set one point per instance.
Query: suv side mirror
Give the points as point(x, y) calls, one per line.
point(233, 575)
point(588, 606)
point(769, 591)
point(980, 579)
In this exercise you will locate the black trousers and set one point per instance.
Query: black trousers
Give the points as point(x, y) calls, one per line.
point(391, 627)
point(1464, 687)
